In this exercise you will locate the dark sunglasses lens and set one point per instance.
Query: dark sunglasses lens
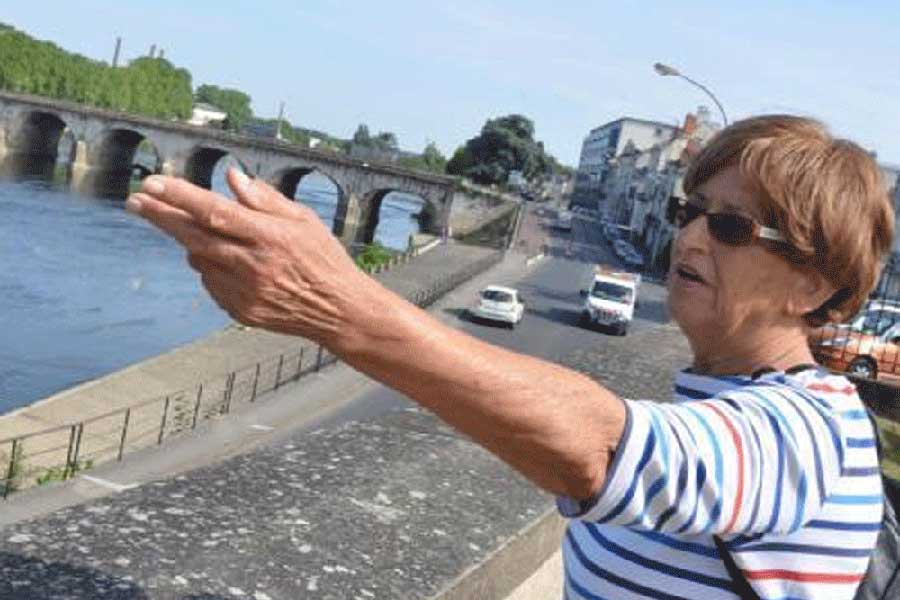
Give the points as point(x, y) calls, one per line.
point(731, 229)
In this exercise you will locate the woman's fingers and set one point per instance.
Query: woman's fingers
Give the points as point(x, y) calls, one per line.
point(258, 195)
point(198, 241)
point(207, 208)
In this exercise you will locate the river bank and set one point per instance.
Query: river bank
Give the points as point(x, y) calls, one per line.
point(156, 398)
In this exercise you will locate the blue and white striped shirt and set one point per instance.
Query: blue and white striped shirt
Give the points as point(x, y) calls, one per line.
point(782, 467)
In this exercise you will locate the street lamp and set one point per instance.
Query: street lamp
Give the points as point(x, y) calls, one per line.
point(667, 71)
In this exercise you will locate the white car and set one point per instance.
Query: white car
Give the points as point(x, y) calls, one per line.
point(499, 303)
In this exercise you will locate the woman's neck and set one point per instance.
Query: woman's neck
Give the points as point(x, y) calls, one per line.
point(779, 349)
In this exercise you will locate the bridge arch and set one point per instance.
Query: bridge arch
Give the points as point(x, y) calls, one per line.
point(203, 161)
point(114, 158)
point(414, 212)
point(313, 187)
point(32, 143)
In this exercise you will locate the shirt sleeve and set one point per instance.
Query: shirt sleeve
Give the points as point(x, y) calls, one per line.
point(762, 459)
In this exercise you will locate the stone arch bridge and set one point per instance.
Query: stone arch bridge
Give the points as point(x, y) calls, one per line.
point(104, 144)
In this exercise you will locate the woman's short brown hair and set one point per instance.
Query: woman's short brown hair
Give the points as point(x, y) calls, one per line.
point(826, 195)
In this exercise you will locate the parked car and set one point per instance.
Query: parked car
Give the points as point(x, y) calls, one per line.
point(499, 303)
point(868, 346)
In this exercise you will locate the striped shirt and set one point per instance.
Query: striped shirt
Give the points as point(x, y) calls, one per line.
point(782, 467)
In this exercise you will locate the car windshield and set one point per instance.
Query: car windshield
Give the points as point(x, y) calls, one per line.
point(606, 290)
point(875, 322)
point(496, 296)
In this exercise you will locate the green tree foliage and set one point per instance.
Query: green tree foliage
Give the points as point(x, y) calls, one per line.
point(430, 160)
point(505, 144)
point(234, 102)
point(148, 86)
point(362, 135)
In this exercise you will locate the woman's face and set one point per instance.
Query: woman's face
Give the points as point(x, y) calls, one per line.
point(742, 290)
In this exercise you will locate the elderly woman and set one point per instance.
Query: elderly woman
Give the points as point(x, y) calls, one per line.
point(764, 456)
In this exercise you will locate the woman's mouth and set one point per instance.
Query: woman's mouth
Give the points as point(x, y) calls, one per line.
point(688, 274)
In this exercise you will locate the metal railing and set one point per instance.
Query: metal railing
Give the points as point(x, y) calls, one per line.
point(58, 453)
point(868, 345)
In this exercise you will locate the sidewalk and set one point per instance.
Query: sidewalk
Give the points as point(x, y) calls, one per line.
point(167, 388)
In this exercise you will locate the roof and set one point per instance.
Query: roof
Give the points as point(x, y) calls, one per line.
point(636, 120)
point(501, 288)
point(209, 108)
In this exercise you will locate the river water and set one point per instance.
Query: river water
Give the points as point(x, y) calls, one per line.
point(87, 288)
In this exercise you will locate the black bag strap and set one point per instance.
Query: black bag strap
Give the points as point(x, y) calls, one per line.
point(740, 585)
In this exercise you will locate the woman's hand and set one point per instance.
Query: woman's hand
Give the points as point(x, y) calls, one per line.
point(266, 260)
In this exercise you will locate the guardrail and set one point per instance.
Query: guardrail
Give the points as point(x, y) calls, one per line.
point(58, 453)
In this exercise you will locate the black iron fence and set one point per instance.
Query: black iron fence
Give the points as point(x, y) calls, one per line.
point(868, 345)
point(58, 453)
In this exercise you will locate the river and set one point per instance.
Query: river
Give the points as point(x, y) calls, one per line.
point(87, 288)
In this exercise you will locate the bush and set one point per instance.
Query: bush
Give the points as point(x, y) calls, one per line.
point(372, 256)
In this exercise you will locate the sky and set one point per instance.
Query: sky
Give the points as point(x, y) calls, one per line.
point(436, 71)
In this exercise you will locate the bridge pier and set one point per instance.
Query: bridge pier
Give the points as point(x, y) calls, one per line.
point(92, 177)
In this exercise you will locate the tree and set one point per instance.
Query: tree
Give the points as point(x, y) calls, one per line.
point(234, 102)
point(362, 136)
point(505, 144)
point(386, 140)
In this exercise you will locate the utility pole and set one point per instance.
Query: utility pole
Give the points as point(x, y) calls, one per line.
point(162, 53)
point(152, 50)
point(115, 62)
point(280, 119)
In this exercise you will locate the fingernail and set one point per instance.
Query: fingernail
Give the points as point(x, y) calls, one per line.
point(241, 178)
point(153, 185)
point(133, 205)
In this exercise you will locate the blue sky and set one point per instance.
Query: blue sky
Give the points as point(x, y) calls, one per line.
point(437, 71)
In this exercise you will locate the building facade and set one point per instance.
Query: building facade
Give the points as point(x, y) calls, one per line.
point(606, 143)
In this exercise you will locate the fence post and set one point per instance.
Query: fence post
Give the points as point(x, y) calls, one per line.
point(124, 433)
point(226, 395)
point(10, 472)
point(69, 451)
point(278, 372)
point(299, 365)
point(74, 468)
point(197, 406)
point(255, 383)
point(319, 359)
point(162, 425)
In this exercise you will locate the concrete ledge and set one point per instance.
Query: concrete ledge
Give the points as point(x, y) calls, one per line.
point(506, 570)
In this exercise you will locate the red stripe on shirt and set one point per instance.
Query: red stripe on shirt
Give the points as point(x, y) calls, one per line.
point(824, 387)
point(804, 576)
point(739, 449)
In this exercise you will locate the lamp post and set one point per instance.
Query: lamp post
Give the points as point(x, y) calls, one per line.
point(667, 71)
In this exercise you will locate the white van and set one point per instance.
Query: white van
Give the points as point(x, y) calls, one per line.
point(609, 299)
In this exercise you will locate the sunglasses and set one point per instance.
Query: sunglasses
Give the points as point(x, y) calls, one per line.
point(728, 228)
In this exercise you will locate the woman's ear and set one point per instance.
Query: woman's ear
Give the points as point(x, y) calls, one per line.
point(809, 292)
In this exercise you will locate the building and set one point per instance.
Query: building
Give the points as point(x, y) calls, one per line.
point(206, 115)
point(606, 143)
point(641, 184)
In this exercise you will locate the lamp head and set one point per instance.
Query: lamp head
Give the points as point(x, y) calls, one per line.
point(665, 70)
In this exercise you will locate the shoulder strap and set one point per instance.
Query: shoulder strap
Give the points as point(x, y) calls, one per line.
point(740, 586)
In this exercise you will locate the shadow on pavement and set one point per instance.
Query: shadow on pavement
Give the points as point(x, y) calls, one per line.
point(460, 313)
point(26, 577)
point(563, 316)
